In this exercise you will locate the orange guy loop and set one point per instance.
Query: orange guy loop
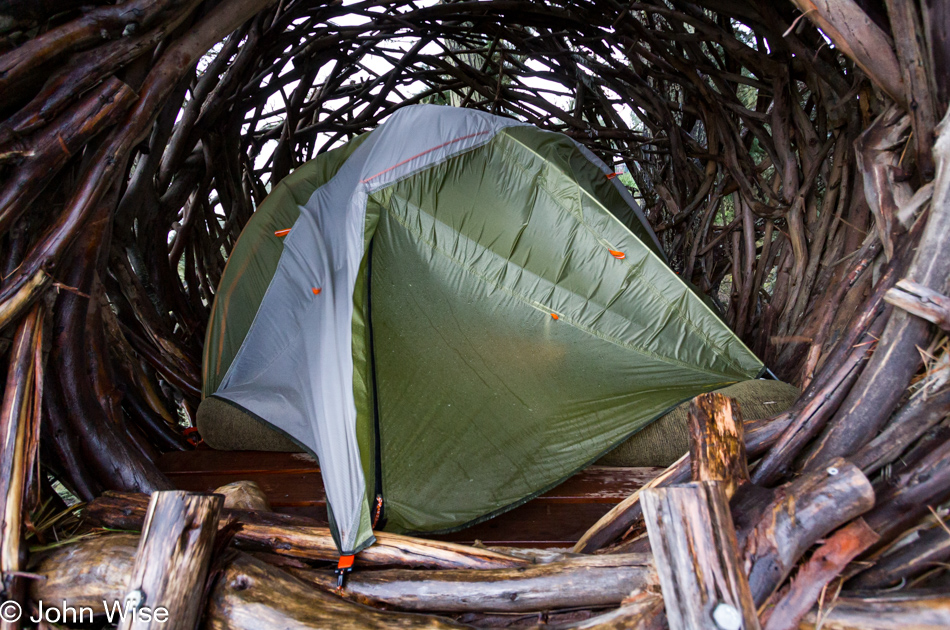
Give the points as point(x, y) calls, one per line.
point(616, 254)
point(612, 175)
point(554, 316)
point(280, 233)
point(317, 291)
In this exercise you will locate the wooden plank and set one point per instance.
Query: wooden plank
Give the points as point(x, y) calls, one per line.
point(281, 488)
point(206, 461)
point(293, 478)
point(292, 484)
point(600, 484)
point(533, 524)
point(530, 525)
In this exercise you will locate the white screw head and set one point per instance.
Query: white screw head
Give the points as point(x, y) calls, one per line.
point(832, 471)
point(134, 600)
point(727, 617)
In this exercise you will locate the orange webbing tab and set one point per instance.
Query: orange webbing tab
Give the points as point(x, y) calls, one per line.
point(554, 316)
point(612, 175)
point(282, 232)
point(343, 567)
point(316, 291)
point(616, 254)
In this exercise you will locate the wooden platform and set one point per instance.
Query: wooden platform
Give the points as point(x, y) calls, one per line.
point(293, 485)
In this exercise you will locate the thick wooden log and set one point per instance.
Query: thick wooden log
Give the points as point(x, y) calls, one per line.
point(253, 595)
point(717, 442)
point(86, 573)
point(825, 564)
point(921, 301)
point(580, 582)
point(930, 550)
point(96, 569)
point(306, 538)
point(249, 593)
point(694, 543)
point(167, 582)
point(891, 611)
point(244, 495)
point(800, 513)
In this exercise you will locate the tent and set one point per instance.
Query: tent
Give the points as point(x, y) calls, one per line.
point(465, 311)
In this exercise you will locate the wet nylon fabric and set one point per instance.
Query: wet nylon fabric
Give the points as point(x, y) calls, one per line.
point(295, 367)
point(485, 399)
point(480, 228)
point(253, 261)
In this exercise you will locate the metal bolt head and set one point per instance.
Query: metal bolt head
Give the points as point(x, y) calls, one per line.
point(832, 471)
point(727, 617)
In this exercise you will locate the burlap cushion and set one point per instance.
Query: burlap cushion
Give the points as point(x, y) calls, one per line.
point(226, 427)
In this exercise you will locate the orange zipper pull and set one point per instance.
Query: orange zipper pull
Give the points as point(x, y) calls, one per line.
point(281, 233)
point(616, 254)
